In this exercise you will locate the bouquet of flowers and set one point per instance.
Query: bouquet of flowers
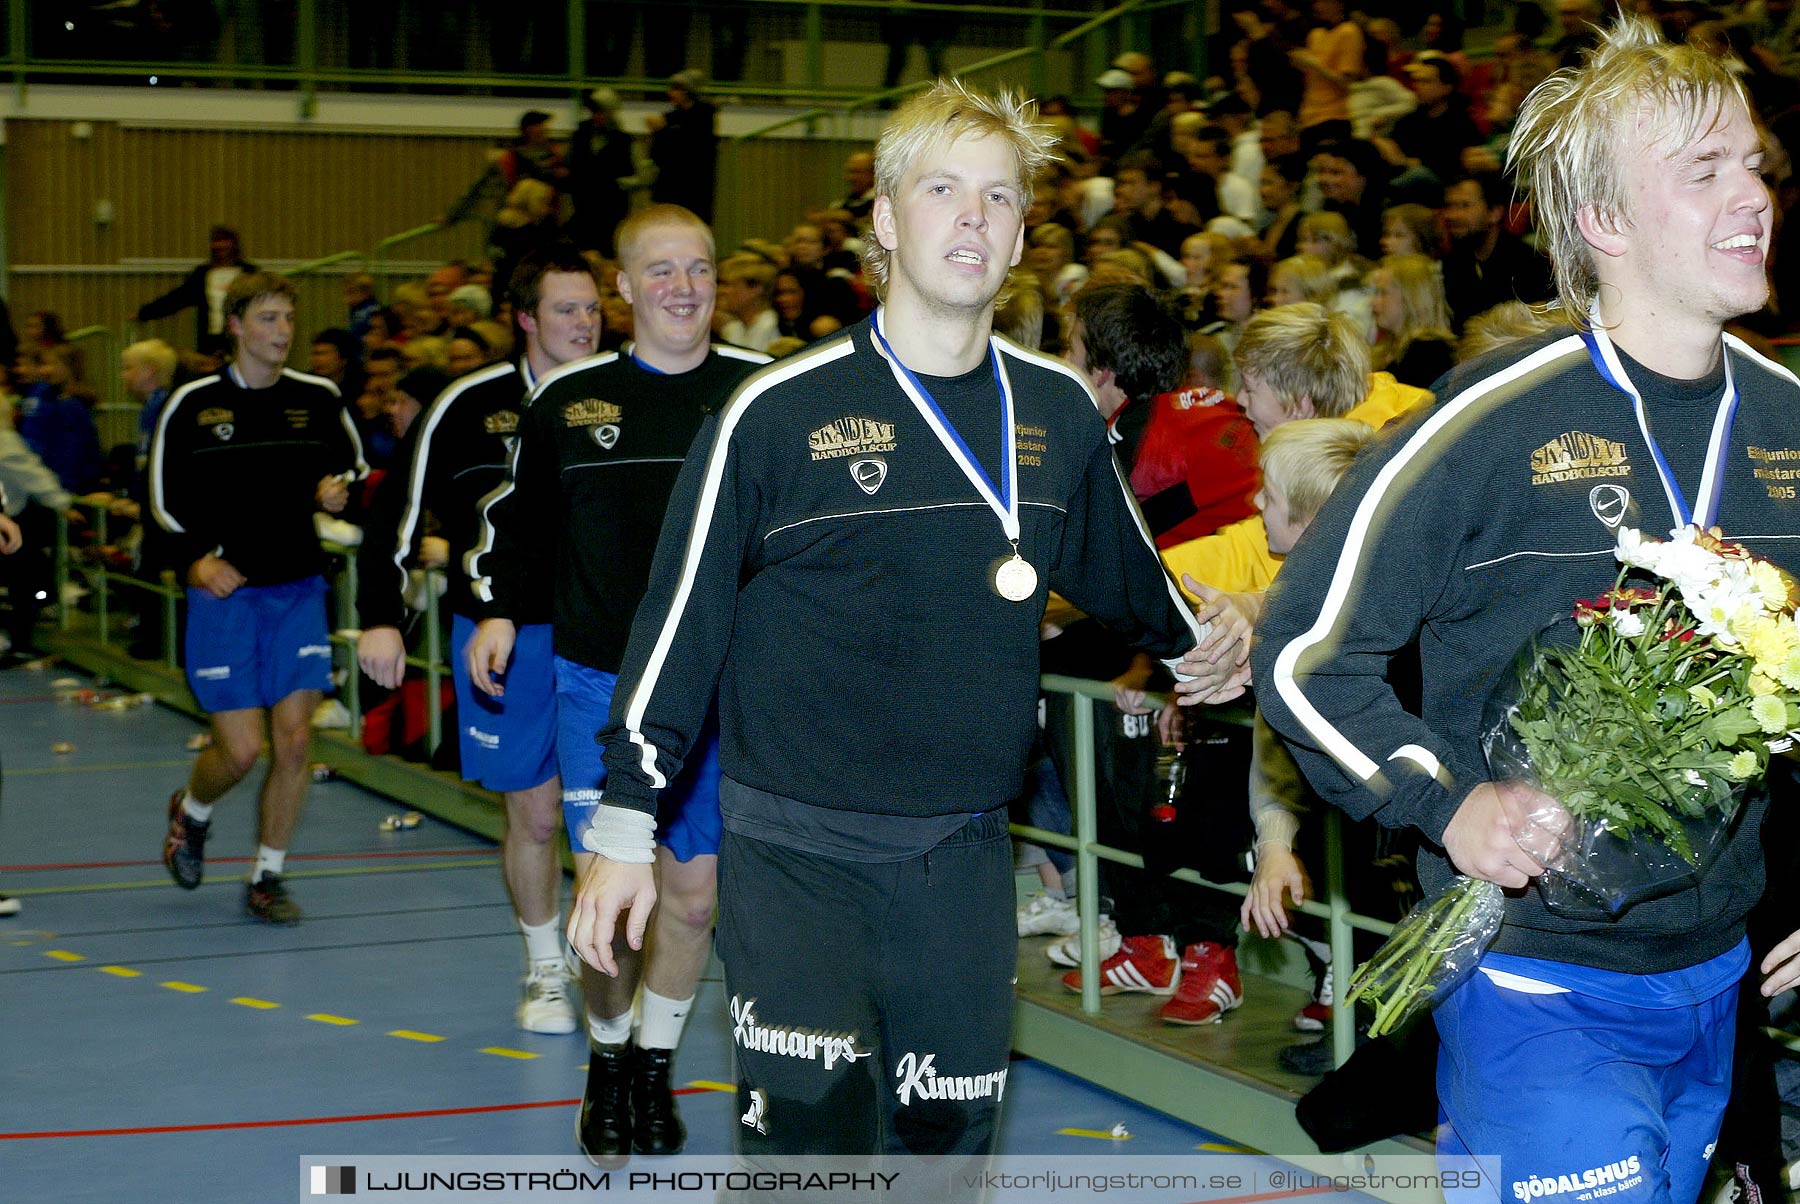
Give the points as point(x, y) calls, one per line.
point(1635, 742)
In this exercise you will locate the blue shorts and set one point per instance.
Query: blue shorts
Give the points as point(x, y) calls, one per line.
point(507, 743)
point(1586, 1085)
point(687, 820)
point(258, 646)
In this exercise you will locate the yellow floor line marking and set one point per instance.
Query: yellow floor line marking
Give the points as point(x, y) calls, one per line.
point(121, 971)
point(709, 1085)
point(328, 1018)
point(523, 1055)
point(63, 955)
point(1098, 1134)
point(407, 1034)
point(1217, 1147)
point(19, 773)
point(186, 988)
point(467, 863)
point(260, 1004)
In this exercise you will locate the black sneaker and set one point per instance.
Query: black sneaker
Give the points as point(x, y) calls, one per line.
point(184, 845)
point(267, 900)
point(603, 1127)
point(657, 1127)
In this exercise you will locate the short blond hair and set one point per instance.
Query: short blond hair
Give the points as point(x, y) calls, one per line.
point(162, 359)
point(1572, 129)
point(1308, 274)
point(1306, 352)
point(1223, 252)
point(1021, 316)
point(751, 268)
point(1506, 323)
point(498, 338)
point(426, 351)
point(945, 112)
point(631, 231)
point(1303, 461)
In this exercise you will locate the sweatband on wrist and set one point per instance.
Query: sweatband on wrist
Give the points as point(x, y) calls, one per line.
point(621, 834)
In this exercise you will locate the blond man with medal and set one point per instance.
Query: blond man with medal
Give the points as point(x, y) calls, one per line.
point(856, 558)
point(1589, 1055)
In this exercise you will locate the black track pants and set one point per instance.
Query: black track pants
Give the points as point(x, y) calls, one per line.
point(871, 1003)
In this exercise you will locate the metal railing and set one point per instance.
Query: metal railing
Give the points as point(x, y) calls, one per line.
point(378, 255)
point(101, 578)
point(1083, 793)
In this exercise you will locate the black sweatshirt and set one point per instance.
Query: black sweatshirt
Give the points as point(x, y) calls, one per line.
point(235, 471)
point(454, 457)
point(1468, 527)
point(829, 566)
point(584, 495)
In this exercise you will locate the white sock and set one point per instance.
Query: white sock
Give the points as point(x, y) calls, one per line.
point(268, 861)
point(662, 1021)
point(196, 810)
point(543, 942)
point(1320, 949)
point(616, 1031)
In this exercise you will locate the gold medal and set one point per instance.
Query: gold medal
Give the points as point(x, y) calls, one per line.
point(1015, 579)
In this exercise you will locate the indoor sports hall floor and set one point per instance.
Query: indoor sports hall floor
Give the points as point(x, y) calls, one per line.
point(158, 1044)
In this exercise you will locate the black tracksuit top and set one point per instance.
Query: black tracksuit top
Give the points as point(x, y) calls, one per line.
point(236, 471)
point(827, 563)
point(1467, 527)
point(455, 456)
point(598, 452)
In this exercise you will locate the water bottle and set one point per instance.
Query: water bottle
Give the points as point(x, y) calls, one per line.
point(1171, 776)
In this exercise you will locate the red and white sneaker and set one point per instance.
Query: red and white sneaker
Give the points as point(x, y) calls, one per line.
point(1210, 986)
point(1315, 1017)
point(1143, 963)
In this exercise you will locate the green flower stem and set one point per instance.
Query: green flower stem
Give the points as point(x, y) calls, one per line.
point(1401, 975)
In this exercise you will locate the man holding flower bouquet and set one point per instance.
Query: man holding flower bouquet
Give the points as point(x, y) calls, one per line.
point(1590, 1052)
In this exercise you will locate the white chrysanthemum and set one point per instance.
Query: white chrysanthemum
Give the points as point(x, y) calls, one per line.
point(1628, 623)
point(1637, 551)
point(1713, 609)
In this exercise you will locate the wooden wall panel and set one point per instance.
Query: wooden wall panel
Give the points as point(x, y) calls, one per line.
point(766, 186)
point(293, 196)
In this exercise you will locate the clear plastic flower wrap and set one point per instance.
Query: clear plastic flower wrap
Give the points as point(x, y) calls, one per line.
point(1632, 798)
point(1631, 732)
point(1433, 949)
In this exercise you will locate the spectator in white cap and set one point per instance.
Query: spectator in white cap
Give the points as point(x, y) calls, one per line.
point(1126, 117)
point(602, 173)
point(684, 145)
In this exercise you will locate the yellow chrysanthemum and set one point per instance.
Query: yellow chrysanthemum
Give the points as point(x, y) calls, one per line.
point(1769, 641)
point(1743, 765)
point(1770, 714)
point(1771, 583)
point(1761, 685)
